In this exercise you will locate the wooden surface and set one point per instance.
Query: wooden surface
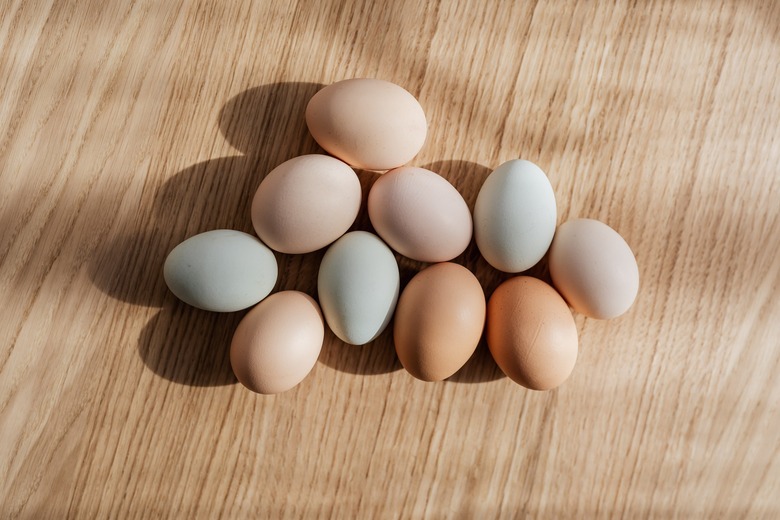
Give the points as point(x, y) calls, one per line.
point(129, 126)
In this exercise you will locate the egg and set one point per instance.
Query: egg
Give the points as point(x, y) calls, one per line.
point(369, 123)
point(358, 286)
point(439, 321)
point(594, 268)
point(514, 216)
point(277, 343)
point(419, 214)
point(306, 203)
point(221, 270)
point(531, 333)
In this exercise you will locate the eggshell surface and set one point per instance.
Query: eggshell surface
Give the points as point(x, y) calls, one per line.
point(358, 284)
point(594, 268)
point(531, 333)
point(221, 270)
point(306, 203)
point(369, 123)
point(439, 321)
point(514, 216)
point(419, 214)
point(277, 343)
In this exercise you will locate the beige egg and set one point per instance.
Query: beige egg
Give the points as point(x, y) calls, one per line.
point(419, 214)
point(369, 123)
point(439, 321)
point(306, 203)
point(593, 268)
point(277, 343)
point(531, 333)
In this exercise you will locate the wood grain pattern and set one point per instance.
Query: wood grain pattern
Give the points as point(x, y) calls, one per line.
point(128, 126)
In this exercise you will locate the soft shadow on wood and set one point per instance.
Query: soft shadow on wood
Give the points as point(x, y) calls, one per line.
point(377, 357)
point(189, 346)
point(268, 123)
point(181, 343)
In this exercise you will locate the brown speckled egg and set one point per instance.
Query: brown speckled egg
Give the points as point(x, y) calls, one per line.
point(531, 333)
point(438, 321)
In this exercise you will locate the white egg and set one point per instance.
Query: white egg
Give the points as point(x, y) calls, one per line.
point(514, 216)
point(358, 286)
point(221, 270)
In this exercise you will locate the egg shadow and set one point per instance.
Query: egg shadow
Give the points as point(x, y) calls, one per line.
point(374, 358)
point(188, 345)
point(181, 343)
point(267, 124)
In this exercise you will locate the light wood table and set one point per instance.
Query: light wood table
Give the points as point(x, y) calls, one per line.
point(129, 126)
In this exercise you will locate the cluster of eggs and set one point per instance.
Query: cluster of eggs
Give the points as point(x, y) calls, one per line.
point(310, 202)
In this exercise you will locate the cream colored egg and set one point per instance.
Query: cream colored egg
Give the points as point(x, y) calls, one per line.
point(277, 343)
point(369, 123)
point(306, 203)
point(594, 268)
point(419, 214)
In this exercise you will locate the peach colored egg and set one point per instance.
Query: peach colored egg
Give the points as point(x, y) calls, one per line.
point(369, 123)
point(277, 343)
point(439, 321)
point(531, 333)
point(419, 214)
point(306, 203)
point(594, 268)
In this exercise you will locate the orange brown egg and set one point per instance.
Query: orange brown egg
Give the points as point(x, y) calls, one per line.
point(531, 333)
